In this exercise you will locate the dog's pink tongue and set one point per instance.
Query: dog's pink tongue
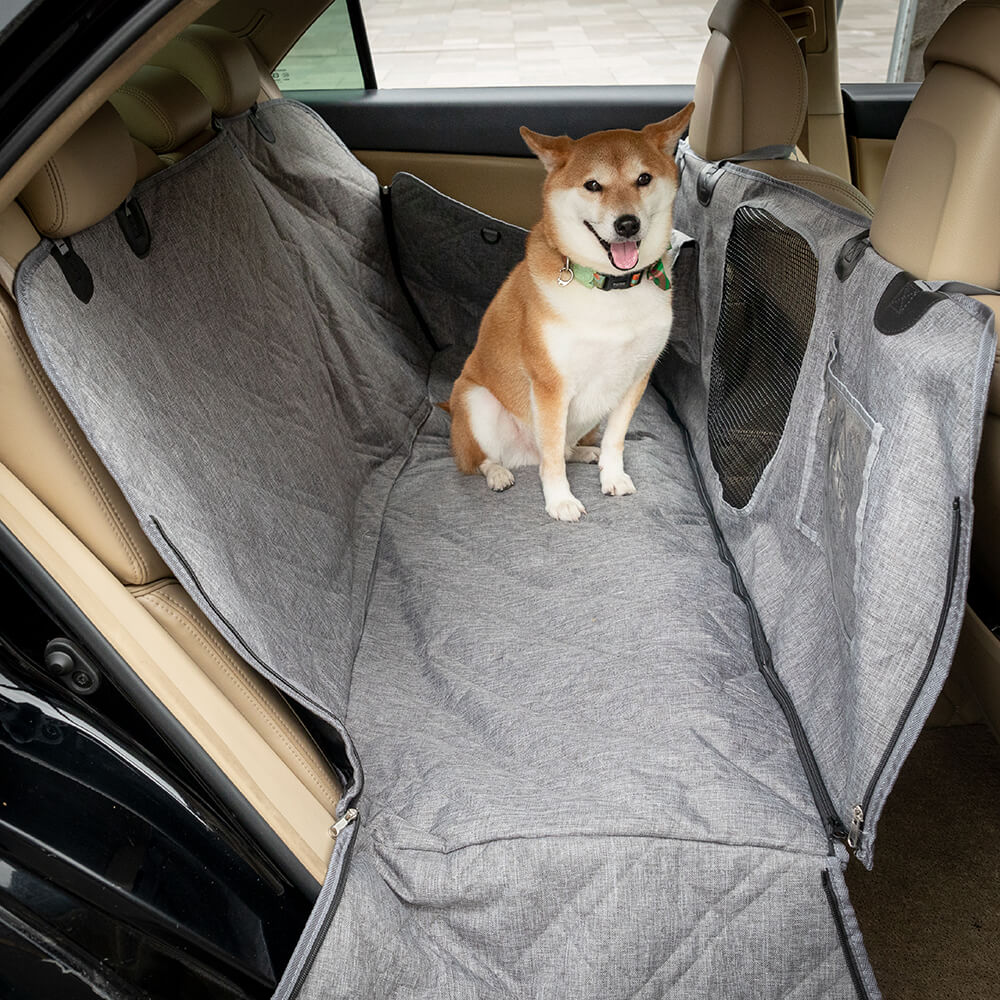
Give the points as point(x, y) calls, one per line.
point(625, 255)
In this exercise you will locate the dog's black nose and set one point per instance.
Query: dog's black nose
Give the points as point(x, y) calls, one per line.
point(626, 225)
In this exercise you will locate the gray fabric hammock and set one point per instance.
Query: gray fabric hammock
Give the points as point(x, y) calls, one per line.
point(613, 759)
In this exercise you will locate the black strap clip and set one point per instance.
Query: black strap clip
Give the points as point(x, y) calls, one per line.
point(708, 177)
point(76, 273)
point(132, 222)
point(850, 253)
point(265, 130)
point(903, 303)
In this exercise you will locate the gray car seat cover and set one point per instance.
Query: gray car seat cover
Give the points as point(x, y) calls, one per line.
point(578, 782)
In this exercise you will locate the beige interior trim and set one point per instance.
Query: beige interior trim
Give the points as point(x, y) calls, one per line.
point(18, 237)
point(871, 157)
point(79, 110)
point(168, 602)
point(269, 785)
point(507, 187)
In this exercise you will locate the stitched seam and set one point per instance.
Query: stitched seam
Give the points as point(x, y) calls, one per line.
point(836, 187)
point(58, 196)
point(144, 99)
point(43, 390)
point(246, 684)
point(205, 49)
point(808, 181)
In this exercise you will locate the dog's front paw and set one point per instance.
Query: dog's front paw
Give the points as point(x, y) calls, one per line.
point(616, 484)
point(565, 509)
point(499, 479)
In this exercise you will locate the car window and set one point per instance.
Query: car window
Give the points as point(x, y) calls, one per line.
point(325, 57)
point(509, 43)
point(865, 32)
point(505, 43)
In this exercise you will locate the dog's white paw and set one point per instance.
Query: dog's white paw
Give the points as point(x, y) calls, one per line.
point(498, 477)
point(616, 484)
point(584, 453)
point(566, 509)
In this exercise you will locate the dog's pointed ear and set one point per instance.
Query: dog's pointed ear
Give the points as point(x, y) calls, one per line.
point(552, 150)
point(667, 134)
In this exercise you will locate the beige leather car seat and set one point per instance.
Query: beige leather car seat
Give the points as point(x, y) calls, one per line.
point(752, 92)
point(938, 217)
point(243, 722)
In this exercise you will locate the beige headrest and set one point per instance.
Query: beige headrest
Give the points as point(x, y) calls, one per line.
point(939, 202)
point(751, 90)
point(87, 179)
point(968, 38)
point(162, 108)
point(218, 63)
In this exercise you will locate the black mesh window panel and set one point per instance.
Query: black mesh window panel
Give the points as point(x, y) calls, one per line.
point(768, 303)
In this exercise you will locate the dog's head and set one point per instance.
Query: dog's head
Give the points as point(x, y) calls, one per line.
point(608, 197)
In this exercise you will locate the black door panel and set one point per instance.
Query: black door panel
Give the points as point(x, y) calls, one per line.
point(485, 120)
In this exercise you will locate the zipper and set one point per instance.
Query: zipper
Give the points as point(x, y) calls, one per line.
point(858, 817)
point(343, 823)
point(832, 823)
point(845, 943)
point(322, 927)
point(857, 827)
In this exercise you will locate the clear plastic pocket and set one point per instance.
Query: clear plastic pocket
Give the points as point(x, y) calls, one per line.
point(834, 496)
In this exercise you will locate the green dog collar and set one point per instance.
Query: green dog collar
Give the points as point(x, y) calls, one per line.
point(589, 278)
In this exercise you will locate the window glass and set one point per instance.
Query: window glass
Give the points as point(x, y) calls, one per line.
point(324, 58)
point(864, 39)
point(508, 43)
point(884, 40)
point(504, 43)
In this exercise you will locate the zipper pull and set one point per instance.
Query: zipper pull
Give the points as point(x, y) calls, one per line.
point(857, 825)
point(343, 823)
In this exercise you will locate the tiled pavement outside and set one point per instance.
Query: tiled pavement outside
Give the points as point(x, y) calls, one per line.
point(447, 43)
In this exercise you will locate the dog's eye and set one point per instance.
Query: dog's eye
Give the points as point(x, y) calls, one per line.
point(592, 186)
point(642, 180)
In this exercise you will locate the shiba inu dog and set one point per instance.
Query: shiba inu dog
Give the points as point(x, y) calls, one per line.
point(572, 335)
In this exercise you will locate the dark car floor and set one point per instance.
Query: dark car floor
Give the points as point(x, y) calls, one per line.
point(930, 911)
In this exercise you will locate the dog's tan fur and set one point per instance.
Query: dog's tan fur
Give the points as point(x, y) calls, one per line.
point(548, 356)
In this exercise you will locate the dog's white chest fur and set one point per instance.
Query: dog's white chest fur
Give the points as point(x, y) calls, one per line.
point(602, 343)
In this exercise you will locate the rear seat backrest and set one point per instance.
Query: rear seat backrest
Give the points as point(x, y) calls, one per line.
point(88, 178)
point(752, 92)
point(42, 445)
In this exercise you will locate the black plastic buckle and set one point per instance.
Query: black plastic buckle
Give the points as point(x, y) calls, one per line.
point(902, 304)
point(708, 177)
point(74, 270)
point(135, 229)
point(612, 282)
point(850, 253)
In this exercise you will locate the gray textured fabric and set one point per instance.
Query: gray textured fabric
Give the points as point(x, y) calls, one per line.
point(846, 546)
point(254, 385)
point(578, 782)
